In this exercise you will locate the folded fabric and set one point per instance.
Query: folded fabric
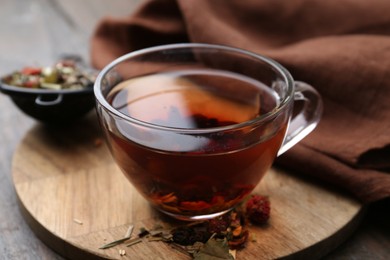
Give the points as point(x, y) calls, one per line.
point(340, 47)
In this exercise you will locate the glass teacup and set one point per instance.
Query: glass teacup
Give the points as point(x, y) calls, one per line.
point(194, 127)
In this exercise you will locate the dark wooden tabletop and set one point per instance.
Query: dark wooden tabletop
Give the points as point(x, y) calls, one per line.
point(37, 32)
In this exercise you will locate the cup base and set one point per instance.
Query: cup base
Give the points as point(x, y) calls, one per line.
point(194, 218)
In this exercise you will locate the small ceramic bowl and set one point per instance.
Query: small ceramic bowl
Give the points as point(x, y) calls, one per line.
point(56, 94)
point(51, 106)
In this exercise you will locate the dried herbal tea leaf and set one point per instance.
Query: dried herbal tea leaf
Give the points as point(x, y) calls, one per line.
point(143, 232)
point(233, 253)
point(114, 243)
point(150, 239)
point(129, 231)
point(75, 220)
point(119, 241)
point(214, 250)
point(134, 241)
point(180, 248)
point(195, 247)
point(154, 233)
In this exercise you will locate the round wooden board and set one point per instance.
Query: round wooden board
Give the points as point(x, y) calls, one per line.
point(65, 175)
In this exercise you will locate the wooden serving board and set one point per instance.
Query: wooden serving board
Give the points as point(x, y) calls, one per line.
point(75, 199)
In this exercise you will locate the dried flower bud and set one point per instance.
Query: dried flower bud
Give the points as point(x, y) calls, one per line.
point(219, 224)
point(258, 209)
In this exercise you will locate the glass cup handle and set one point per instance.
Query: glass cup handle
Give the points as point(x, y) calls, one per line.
point(308, 117)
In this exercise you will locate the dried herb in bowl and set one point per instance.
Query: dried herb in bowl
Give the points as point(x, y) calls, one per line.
point(56, 94)
point(63, 75)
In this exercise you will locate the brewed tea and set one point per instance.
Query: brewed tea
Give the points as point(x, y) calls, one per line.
point(186, 173)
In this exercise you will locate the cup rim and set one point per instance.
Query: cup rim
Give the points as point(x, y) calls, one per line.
point(288, 79)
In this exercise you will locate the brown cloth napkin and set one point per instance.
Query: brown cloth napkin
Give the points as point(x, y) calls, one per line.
point(340, 47)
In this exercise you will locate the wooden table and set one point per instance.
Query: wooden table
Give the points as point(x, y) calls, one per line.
point(37, 32)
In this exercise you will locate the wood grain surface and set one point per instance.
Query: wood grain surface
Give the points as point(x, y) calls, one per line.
point(76, 199)
point(36, 32)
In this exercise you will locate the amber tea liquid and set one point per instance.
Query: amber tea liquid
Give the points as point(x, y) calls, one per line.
point(188, 174)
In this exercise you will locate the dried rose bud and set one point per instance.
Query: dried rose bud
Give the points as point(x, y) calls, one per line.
point(219, 224)
point(258, 209)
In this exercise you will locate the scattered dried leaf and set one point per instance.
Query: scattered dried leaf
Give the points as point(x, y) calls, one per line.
point(77, 221)
point(122, 252)
point(119, 241)
point(214, 239)
point(134, 241)
point(214, 249)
